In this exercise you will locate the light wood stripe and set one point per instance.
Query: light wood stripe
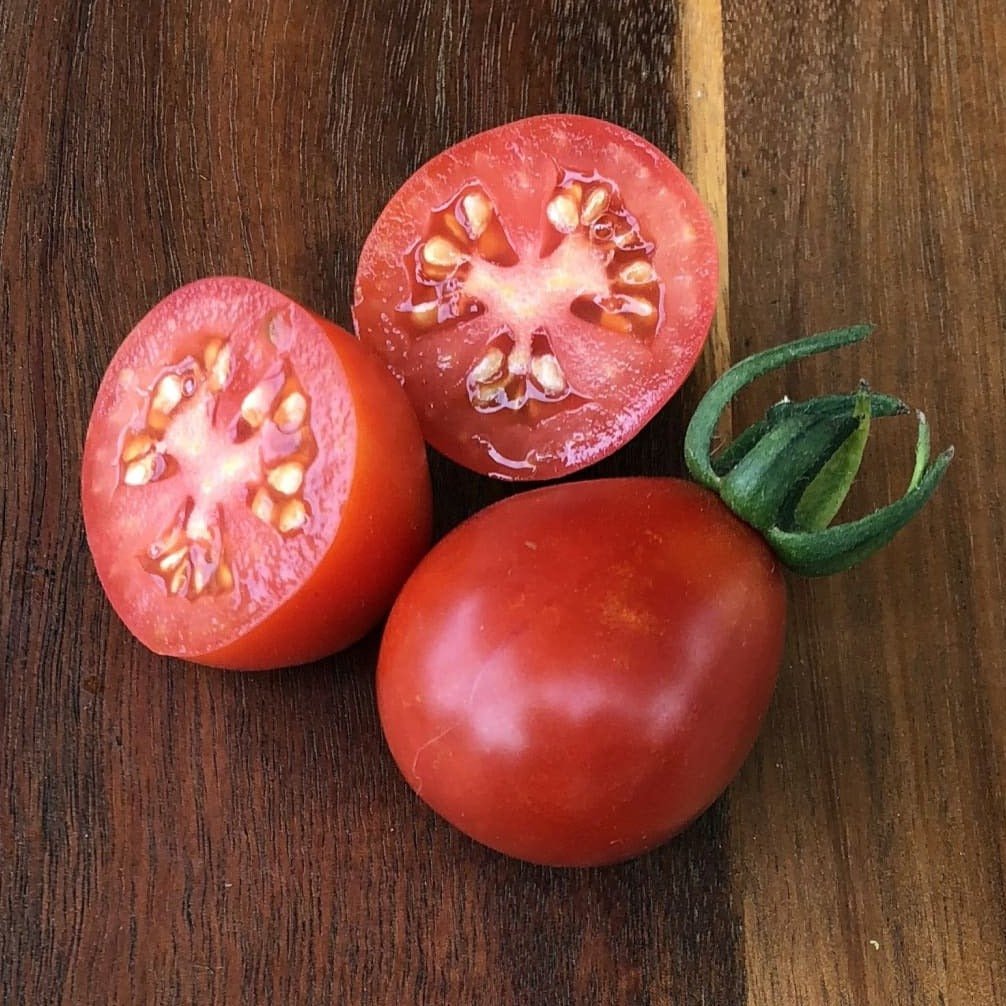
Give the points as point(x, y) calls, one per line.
point(699, 92)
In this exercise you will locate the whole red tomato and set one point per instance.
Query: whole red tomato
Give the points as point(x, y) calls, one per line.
point(574, 674)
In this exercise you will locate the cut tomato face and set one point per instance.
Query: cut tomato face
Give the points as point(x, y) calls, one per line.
point(540, 290)
point(254, 483)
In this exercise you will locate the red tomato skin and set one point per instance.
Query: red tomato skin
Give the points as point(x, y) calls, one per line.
point(576, 673)
point(385, 530)
point(385, 521)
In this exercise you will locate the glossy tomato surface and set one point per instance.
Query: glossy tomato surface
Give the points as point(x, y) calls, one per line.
point(575, 673)
point(254, 483)
point(541, 290)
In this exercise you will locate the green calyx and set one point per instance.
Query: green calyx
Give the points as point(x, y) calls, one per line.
point(788, 474)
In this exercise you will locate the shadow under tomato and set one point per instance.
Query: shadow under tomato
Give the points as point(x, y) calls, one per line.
point(657, 450)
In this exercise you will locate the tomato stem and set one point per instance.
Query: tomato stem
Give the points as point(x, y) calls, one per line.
point(788, 474)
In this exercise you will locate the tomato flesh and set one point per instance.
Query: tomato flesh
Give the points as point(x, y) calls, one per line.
point(541, 290)
point(576, 673)
point(231, 457)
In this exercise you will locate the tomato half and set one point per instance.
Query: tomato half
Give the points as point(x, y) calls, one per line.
point(254, 483)
point(541, 290)
point(575, 673)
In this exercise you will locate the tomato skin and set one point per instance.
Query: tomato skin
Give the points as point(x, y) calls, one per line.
point(385, 529)
point(289, 596)
point(618, 380)
point(577, 672)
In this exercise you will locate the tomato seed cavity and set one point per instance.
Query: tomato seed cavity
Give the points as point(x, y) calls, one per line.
point(267, 448)
point(601, 263)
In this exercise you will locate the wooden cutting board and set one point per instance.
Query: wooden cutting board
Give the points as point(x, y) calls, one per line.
point(172, 835)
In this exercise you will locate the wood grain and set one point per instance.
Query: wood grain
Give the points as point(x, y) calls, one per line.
point(702, 141)
point(867, 170)
point(171, 835)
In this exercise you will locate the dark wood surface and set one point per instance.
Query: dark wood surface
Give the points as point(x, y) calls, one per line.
point(173, 835)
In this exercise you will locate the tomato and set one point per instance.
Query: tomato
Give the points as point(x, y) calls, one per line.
point(575, 673)
point(254, 483)
point(541, 290)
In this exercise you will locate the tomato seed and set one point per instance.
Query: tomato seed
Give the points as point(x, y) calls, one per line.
point(441, 253)
point(637, 273)
point(220, 369)
point(136, 446)
point(426, 315)
point(594, 205)
point(256, 404)
point(489, 367)
point(488, 394)
point(637, 306)
point(167, 394)
point(478, 211)
point(546, 371)
point(200, 577)
point(210, 352)
point(172, 559)
point(139, 473)
point(262, 506)
point(179, 578)
point(291, 412)
point(563, 213)
point(286, 478)
point(292, 517)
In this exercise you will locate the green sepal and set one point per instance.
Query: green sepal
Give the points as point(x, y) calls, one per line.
point(922, 448)
point(726, 458)
point(699, 435)
point(820, 502)
point(791, 452)
point(789, 473)
point(837, 548)
point(835, 405)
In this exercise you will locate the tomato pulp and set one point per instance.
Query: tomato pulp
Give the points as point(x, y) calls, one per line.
point(575, 673)
point(540, 290)
point(254, 483)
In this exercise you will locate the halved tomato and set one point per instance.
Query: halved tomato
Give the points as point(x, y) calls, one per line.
point(254, 482)
point(540, 290)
